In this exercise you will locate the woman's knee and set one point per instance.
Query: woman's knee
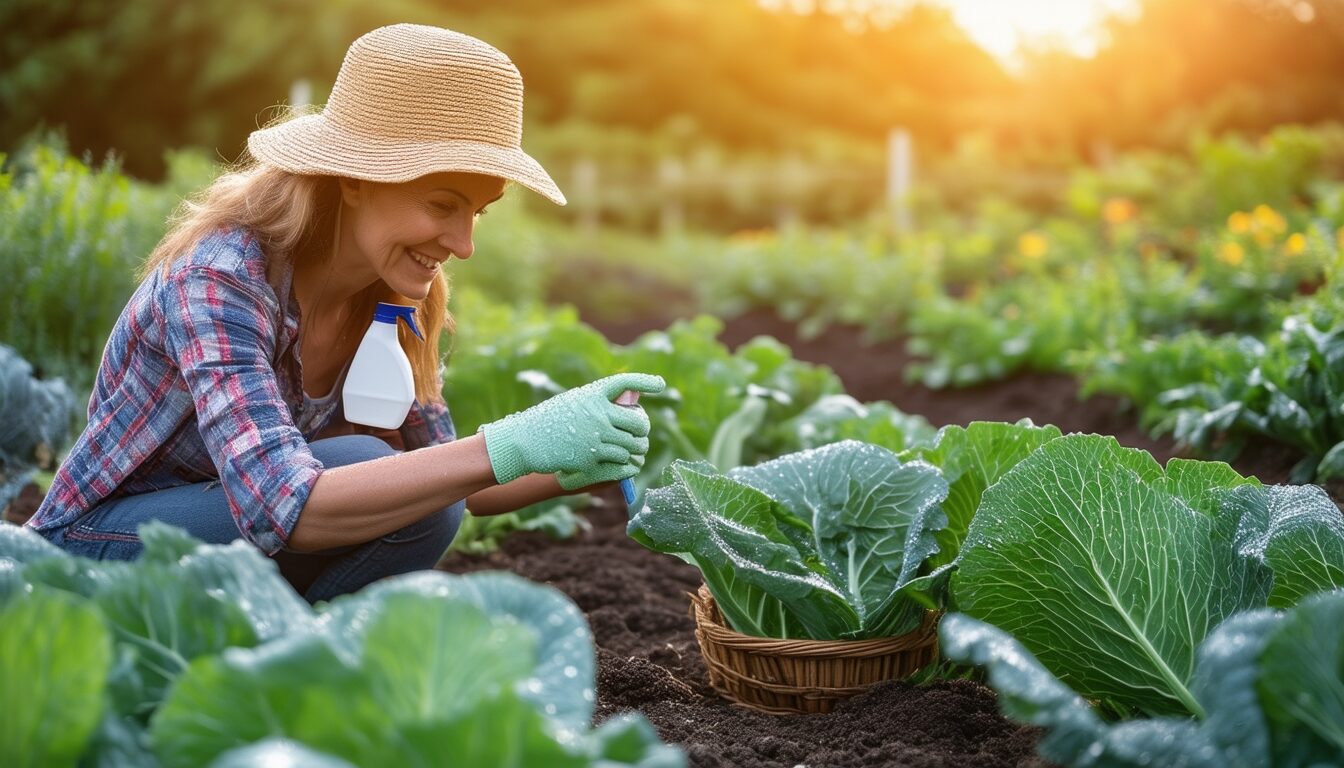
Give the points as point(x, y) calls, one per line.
point(431, 534)
point(349, 449)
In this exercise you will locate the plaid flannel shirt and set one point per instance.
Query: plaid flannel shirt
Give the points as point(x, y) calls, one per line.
point(200, 381)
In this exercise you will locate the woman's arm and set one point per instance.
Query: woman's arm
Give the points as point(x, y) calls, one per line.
point(528, 489)
point(360, 502)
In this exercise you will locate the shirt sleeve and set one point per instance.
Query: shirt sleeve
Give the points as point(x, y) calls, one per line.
point(221, 332)
point(427, 424)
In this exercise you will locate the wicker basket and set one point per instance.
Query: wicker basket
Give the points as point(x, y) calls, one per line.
point(785, 677)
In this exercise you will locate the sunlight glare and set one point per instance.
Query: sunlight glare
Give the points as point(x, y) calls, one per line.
point(1003, 27)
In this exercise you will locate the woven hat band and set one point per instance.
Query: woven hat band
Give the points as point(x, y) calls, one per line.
point(466, 89)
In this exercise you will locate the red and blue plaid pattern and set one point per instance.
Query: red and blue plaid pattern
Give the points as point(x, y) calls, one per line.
point(200, 380)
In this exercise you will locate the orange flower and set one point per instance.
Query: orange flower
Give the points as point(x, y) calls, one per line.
point(1296, 244)
point(1033, 245)
point(1231, 254)
point(1239, 223)
point(1118, 210)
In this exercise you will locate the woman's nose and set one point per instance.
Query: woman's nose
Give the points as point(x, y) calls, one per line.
point(457, 240)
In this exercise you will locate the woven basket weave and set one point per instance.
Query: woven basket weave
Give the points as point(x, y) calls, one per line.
point(784, 677)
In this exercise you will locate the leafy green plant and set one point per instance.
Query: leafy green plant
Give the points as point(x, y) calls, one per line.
point(814, 278)
point(35, 420)
point(1089, 568)
point(73, 237)
point(483, 535)
point(973, 458)
point(1135, 565)
point(834, 418)
point(823, 544)
point(196, 653)
point(1143, 371)
point(1215, 393)
point(1268, 683)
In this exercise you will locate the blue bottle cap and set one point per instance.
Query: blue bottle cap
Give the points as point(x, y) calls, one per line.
point(388, 313)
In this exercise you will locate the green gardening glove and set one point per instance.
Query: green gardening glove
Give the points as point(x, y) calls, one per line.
point(580, 435)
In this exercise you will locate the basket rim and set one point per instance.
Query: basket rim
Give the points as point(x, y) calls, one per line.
point(710, 621)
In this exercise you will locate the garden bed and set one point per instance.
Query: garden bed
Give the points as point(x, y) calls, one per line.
point(637, 604)
point(636, 601)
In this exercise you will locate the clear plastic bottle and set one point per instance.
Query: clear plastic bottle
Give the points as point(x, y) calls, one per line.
point(380, 387)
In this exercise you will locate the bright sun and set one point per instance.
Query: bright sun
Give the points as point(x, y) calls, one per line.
point(1002, 26)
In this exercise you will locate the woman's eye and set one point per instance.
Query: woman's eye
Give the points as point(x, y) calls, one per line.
point(446, 207)
point(481, 213)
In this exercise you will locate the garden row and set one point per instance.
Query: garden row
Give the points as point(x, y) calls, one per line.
point(1199, 286)
point(1144, 615)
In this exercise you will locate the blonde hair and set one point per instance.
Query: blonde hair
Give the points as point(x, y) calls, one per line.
point(293, 217)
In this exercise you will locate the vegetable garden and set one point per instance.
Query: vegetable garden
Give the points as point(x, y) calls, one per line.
point(1107, 591)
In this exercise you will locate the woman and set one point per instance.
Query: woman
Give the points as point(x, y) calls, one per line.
point(216, 406)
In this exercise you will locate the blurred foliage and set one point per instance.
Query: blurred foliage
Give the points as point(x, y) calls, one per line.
point(137, 78)
point(767, 114)
point(1219, 393)
point(73, 237)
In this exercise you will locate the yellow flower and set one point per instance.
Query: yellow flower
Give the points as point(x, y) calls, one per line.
point(1118, 210)
point(1231, 254)
point(1033, 245)
point(1239, 223)
point(1297, 243)
point(1268, 218)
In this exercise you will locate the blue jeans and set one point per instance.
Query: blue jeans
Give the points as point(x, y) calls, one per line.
point(107, 532)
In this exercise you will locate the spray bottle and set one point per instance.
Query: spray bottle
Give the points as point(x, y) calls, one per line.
point(380, 387)
point(629, 398)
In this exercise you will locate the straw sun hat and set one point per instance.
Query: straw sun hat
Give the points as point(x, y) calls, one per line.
point(411, 100)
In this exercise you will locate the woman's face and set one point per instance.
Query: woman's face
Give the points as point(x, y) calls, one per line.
point(407, 231)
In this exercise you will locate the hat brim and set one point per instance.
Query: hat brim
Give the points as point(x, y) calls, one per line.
point(312, 145)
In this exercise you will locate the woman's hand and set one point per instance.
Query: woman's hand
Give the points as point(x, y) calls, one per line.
point(604, 474)
point(581, 436)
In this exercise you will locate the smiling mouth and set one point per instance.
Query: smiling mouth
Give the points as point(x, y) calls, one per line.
point(423, 260)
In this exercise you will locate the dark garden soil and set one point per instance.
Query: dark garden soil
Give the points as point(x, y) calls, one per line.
point(637, 604)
